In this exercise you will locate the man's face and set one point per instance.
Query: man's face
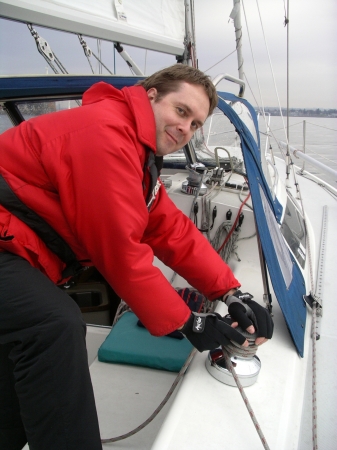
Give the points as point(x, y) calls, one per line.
point(178, 115)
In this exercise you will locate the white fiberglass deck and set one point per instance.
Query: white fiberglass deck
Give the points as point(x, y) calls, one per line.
point(206, 414)
point(209, 414)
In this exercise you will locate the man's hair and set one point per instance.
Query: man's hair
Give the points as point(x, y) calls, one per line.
point(169, 79)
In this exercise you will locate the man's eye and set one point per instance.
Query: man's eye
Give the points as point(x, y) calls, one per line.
point(194, 125)
point(181, 111)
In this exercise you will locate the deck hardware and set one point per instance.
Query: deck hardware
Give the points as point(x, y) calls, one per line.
point(194, 184)
point(247, 369)
point(247, 364)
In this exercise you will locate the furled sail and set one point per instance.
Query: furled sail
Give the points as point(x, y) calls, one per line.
point(151, 24)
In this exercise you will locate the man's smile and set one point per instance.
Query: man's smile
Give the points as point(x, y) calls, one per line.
point(171, 137)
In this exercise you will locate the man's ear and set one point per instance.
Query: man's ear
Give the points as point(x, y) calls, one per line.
point(152, 94)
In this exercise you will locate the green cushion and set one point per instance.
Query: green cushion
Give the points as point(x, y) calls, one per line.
point(128, 343)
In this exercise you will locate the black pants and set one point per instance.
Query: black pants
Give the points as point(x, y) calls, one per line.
point(46, 395)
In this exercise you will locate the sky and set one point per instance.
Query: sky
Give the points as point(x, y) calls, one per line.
point(312, 55)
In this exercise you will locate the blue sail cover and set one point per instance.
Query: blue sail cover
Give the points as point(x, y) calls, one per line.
point(285, 275)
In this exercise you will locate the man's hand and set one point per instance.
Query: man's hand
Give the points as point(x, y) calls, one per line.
point(209, 331)
point(250, 316)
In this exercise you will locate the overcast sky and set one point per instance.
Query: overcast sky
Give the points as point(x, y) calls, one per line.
point(313, 50)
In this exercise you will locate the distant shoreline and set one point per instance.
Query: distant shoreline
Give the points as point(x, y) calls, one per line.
point(298, 112)
point(47, 107)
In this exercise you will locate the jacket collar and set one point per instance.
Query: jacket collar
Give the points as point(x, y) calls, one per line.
point(141, 108)
point(138, 102)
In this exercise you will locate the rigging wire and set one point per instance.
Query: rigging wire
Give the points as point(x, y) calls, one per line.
point(258, 82)
point(321, 126)
point(45, 50)
point(220, 61)
point(145, 61)
point(251, 91)
point(99, 51)
point(256, 72)
point(255, 68)
point(88, 52)
point(282, 128)
point(310, 123)
point(270, 64)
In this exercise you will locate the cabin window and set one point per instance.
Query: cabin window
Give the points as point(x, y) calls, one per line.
point(5, 122)
point(34, 109)
point(281, 250)
point(218, 131)
point(176, 160)
point(293, 230)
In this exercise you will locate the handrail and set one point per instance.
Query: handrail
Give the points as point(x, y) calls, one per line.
point(228, 77)
point(300, 155)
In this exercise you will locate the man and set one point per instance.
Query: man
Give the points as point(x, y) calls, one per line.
point(87, 173)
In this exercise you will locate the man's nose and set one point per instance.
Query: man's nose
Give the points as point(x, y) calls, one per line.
point(185, 128)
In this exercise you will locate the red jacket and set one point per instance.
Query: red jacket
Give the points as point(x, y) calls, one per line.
point(82, 171)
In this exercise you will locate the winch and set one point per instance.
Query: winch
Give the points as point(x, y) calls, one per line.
point(244, 360)
point(194, 184)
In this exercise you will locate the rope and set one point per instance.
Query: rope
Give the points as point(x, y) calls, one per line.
point(231, 349)
point(236, 349)
point(243, 352)
point(311, 277)
point(230, 246)
point(234, 224)
point(160, 407)
point(245, 399)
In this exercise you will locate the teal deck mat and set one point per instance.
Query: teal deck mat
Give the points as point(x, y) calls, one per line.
point(128, 343)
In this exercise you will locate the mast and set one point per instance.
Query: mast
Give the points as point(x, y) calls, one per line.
point(190, 55)
point(288, 137)
point(236, 16)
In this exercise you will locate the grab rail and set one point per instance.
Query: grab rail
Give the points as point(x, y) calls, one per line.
point(228, 77)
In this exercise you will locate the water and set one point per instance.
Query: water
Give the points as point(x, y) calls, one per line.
point(320, 140)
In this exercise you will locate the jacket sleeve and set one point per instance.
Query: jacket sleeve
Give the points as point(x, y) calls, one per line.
point(178, 243)
point(100, 184)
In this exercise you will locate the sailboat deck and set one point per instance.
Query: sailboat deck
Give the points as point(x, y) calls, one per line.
point(281, 398)
point(204, 413)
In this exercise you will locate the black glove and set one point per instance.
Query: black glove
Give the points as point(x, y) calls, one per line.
point(209, 331)
point(246, 312)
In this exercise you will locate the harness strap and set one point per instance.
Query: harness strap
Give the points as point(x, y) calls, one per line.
point(154, 165)
point(49, 236)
